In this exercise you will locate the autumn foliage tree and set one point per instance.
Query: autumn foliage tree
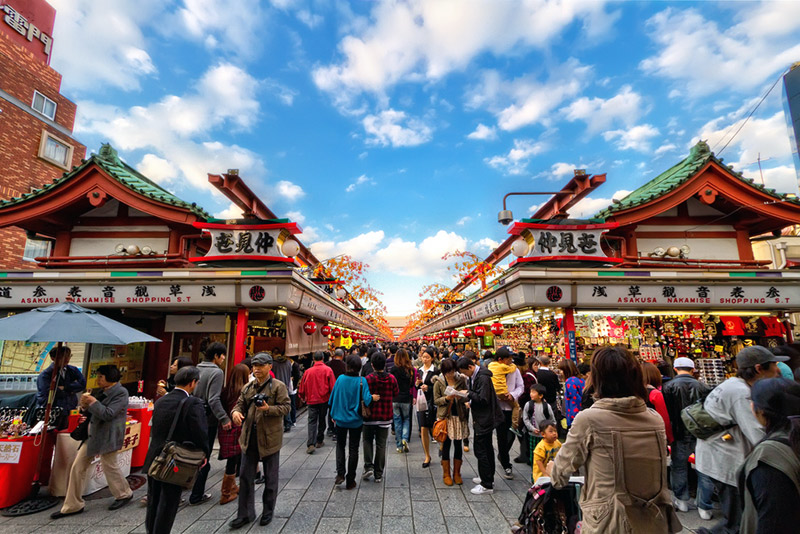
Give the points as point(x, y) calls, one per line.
point(470, 267)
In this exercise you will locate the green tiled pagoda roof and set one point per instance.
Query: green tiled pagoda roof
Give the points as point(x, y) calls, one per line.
point(672, 178)
point(109, 161)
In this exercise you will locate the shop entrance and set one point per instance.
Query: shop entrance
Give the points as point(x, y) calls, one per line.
point(193, 344)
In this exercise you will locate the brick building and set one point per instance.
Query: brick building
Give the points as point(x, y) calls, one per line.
point(36, 121)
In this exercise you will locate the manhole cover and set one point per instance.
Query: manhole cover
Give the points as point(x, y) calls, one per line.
point(31, 506)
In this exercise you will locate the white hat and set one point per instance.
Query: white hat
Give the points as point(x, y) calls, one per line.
point(683, 362)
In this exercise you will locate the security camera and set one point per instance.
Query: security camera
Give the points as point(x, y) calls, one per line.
point(505, 217)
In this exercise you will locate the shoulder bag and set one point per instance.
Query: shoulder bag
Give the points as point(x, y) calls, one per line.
point(699, 422)
point(81, 432)
point(439, 430)
point(177, 463)
point(366, 411)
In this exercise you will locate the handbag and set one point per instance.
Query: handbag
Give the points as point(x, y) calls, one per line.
point(422, 402)
point(699, 422)
point(366, 411)
point(439, 430)
point(177, 463)
point(81, 432)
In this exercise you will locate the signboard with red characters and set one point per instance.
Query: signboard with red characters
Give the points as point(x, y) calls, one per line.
point(562, 243)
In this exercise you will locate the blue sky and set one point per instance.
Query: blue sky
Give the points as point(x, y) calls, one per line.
point(392, 130)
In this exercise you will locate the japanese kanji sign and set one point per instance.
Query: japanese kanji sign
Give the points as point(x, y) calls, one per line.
point(563, 243)
point(689, 295)
point(10, 452)
point(247, 240)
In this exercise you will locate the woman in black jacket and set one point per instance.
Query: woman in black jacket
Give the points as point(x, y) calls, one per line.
point(427, 417)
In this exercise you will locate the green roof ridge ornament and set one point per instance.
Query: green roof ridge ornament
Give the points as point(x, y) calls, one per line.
point(109, 154)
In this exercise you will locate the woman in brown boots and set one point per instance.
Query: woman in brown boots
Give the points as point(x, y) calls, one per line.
point(453, 409)
point(229, 439)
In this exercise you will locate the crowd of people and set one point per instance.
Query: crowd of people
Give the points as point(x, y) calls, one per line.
point(614, 420)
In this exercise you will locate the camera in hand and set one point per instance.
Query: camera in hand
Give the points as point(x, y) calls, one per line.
point(259, 399)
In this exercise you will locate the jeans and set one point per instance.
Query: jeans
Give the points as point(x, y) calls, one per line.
point(402, 422)
point(290, 418)
point(505, 439)
point(705, 490)
point(316, 423)
point(457, 450)
point(377, 435)
point(200, 482)
point(681, 450)
point(484, 454)
point(731, 508)
point(342, 435)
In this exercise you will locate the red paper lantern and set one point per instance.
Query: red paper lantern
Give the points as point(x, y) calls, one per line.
point(467, 332)
point(454, 334)
point(325, 330)
point(310, 327)
point(345, 334)
point(497, 329)
point(336, 332)
point(480, 331)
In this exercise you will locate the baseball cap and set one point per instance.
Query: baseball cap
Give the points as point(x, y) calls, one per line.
point(778, 395)
point(752, 356)
point(683, 363)
point(262, 358)
point(503, 353)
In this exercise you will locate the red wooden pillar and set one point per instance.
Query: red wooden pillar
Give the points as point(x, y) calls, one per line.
point(570, 347)
point(241, 335)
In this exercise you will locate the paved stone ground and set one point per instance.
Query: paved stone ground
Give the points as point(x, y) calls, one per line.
point(410, 499)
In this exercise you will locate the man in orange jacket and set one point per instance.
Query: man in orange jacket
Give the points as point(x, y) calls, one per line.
point(315, 389)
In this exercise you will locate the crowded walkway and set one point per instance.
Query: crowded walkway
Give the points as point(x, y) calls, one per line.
point(409, 500)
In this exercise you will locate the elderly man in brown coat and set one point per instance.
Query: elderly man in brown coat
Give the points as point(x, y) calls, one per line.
point(262, 405)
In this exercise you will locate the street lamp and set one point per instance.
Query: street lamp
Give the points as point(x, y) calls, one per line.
point(505, 216)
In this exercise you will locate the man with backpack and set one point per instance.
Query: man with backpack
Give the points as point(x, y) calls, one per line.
point(680, 392)
point(720, 455)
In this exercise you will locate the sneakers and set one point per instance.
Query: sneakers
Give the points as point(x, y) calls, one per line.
point(339, 480)
point(351, 485)
point(205, 497)
point(378, 478)
point(405, 446)
point(476, 480)
point(704, 514)
point(480, 490)
point(319, 445)
point(310, 449)
point(400, 450)
point(680, 505)
point(508, 473)
point(367, 473)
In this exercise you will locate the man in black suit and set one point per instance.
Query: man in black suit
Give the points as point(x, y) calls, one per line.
point(163, 499)
point(548, 379)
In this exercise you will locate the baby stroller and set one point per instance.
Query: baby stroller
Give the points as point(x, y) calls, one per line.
point(547, 510)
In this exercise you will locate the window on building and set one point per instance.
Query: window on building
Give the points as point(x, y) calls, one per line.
point(55, 150)
point(44, 105)
point(36, 248)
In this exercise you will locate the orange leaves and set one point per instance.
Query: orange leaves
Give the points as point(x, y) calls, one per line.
point(471, 267)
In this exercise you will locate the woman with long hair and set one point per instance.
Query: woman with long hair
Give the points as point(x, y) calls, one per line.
point(770, 477)
point(623, 446)
point(229, 449)
point(405, 375)
point(652, 381)
point(165, 386)
point(349, 391)
point(451, 407)
point(427, 417)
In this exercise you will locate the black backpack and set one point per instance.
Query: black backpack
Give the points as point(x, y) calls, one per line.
point(547, 510)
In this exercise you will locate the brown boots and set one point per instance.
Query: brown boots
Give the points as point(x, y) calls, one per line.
point(230, 491)
point(457, 472)
point(446, 473)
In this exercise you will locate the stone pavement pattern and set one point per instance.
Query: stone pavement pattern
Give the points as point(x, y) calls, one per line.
point(409, 500)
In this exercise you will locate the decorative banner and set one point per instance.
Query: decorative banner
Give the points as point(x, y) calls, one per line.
point(248, 241)
point(684, 295)
point(563, 244)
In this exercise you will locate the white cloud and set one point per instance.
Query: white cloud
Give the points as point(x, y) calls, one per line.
point(407, 258)
point(763, 43)
point(561, 170)
point(231, 212)
point(312, 20)
point(663, 149)
point(484, 133)
point(464, 220)
point(363, 179)
point(233, 27)
point(517, 159)
point(636, 138)
point(487, 243)
point(122, 58)
point(177, 130)
point(760, 138)
point(296, 216)
point(527, 100)
point(625, 108)
point(589, 206)
point(395, 128)
point(156, 168)
point(290, 191)
point(421, 40)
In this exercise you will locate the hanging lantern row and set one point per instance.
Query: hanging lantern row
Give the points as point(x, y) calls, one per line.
point(479, 331)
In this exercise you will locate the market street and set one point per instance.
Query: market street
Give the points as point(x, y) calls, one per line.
point(410, 499)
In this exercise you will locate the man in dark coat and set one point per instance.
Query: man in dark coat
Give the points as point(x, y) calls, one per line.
point(486, 416)
point(548, 379)
point(163, 499)
point(70, 381)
